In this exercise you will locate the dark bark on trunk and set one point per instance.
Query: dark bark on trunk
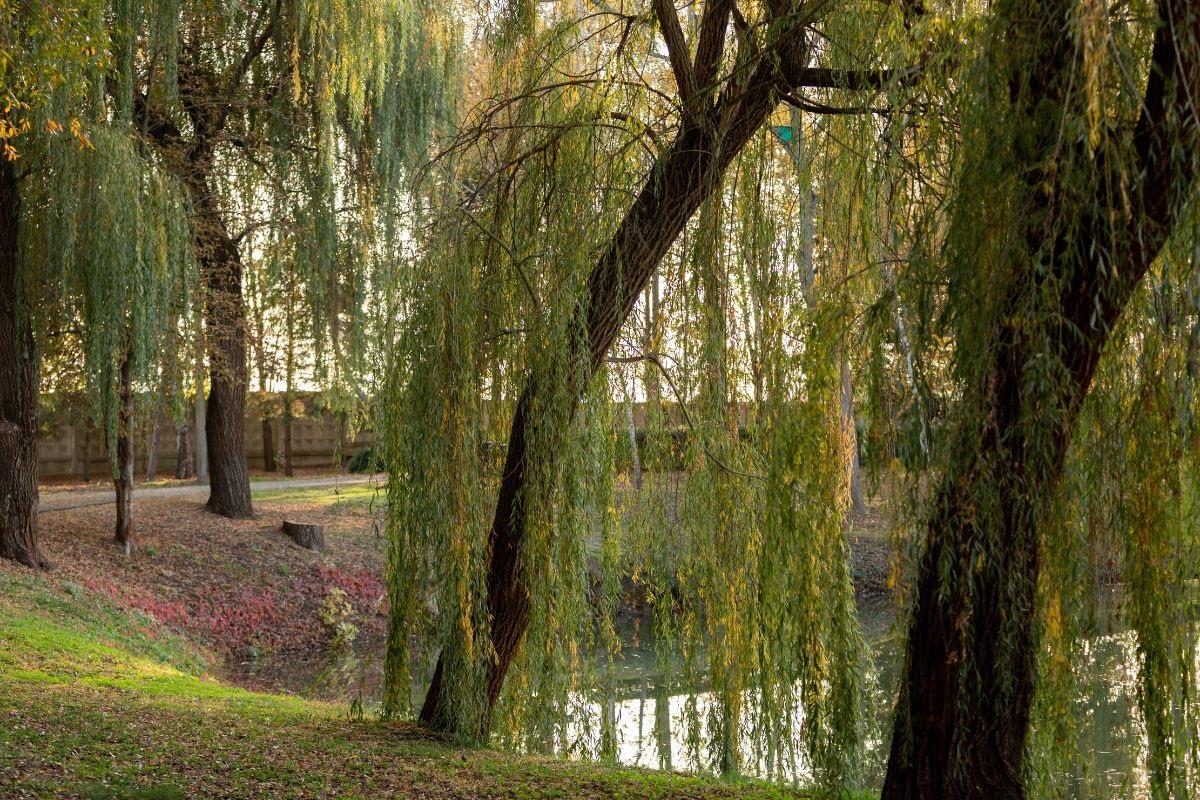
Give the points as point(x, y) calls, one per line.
point(18, 391)
point(682, 178)
point(268, 438)
point(123, 479)
point(225, 327)
point(224, 441)
point(183, 452)
point(978, 637)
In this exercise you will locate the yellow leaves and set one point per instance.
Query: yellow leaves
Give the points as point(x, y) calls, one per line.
point(81, 135)
point(53, 127)
point(1093, 18)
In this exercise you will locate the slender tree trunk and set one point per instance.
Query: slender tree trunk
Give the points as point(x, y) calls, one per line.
point(684, 176)
point(201, 413)
point(858, 500)
point(635, 462)
point(74, 467)
point(289, 394)
point(18, 391)
point(152, 450)
point(183, 452)
point(970, 667)
point(86, 472)
point(287, 441)
point(123, 479)
point(257, 295)
point(268, 445)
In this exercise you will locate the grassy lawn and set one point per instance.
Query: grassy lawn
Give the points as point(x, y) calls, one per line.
point(356, 494)
point(98, 703)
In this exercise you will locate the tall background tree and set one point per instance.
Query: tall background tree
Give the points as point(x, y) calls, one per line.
point(47, 61)
point(274, 114)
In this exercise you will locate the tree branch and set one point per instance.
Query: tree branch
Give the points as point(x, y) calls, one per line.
point(711, 44)
point(254, 50)
point(681, 65)
point(815, 107)
point(853, 79)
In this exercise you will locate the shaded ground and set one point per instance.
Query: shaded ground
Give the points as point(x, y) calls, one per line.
point(99, 704)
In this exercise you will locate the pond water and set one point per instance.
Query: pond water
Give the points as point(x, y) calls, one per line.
point(1106, 727)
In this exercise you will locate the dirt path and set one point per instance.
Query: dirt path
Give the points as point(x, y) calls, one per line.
point(64, 500)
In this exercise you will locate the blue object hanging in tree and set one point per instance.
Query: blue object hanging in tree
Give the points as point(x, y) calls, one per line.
point(784, 132)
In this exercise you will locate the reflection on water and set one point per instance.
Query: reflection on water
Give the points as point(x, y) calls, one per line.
point(1107, 729)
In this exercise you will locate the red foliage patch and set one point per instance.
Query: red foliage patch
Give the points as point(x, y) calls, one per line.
point(233, 584)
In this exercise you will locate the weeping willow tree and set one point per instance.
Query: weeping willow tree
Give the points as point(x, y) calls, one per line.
point(1079, 157)
point(279, 114)
point(607, 177)
point(122, 267)
point(46, 64)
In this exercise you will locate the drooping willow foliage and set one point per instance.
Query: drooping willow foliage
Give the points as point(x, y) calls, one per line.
point(105, 244)
point(881, 241)
point(735, 541)
point(987, 279)
point(122, 249)
point(321, 111)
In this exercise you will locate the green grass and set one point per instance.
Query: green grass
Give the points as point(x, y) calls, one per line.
point(97, 704)
point(358, 494)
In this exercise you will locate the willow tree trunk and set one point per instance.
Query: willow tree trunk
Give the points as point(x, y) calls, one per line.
point(123, 479)
point(18, 390)
point(970, 666)
point(682, 178)
point(225, 335)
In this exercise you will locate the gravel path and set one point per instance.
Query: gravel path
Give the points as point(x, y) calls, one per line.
point(82, 498)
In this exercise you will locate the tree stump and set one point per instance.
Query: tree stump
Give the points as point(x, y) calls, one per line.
point(306, 534)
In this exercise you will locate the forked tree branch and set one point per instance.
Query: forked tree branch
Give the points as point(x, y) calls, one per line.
point(677, 52)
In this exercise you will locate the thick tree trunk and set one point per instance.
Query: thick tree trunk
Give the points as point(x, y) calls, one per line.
point(970, 667)
point(680, 181)
point(268, 444)
point(225, 334)
point(183, 452)
point(123, 479)
point(18, 391)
